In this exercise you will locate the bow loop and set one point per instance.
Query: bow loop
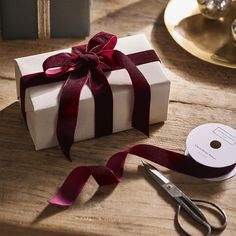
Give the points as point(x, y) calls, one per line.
point(79, 49)
point(107, 61)
point(101, 41)
point(60, 64)
point(99, 51)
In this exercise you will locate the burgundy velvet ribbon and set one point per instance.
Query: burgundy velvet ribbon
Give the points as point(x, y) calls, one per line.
point(113, 171)
point(86, 66)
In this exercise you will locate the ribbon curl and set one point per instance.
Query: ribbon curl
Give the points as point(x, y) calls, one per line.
point(86, 65)
point(113, 171)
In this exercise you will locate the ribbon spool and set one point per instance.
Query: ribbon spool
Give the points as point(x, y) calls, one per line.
point(213, 145)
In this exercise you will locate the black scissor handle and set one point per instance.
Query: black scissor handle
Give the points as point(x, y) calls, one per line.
point(220, 212)
point(191, 207)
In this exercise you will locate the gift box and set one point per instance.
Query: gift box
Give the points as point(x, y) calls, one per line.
point(42, 101)
point(31, 19)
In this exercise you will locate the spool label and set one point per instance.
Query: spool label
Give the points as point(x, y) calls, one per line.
point(230, 138)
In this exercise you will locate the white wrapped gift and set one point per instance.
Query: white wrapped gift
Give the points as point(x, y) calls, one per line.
point(42, 102)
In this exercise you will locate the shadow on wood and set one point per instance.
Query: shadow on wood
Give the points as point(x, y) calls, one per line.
point(19, 230)
point(48, 211)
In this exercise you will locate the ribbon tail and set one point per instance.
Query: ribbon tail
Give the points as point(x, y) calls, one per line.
point(75, 182)
point(113, 171)
point(104, 175)
point(142, 93)
point(68, 110)
point(103, 100)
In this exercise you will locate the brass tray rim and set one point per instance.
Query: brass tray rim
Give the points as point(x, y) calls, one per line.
point(185, 43)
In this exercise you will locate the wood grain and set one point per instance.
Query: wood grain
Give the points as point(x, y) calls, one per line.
point(200, 93)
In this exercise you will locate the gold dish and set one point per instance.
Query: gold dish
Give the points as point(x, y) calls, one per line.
point(209, 40)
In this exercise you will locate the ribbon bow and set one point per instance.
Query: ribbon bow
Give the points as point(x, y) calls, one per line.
point(86, 65)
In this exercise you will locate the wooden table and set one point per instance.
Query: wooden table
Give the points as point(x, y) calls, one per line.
point(200, 93)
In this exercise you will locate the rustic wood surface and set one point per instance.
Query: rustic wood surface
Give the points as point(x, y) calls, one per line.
point(200, 93)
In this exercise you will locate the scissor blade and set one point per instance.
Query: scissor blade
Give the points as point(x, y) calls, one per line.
point(156, 175)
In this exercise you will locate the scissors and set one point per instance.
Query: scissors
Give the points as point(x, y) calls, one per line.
point(189, 205)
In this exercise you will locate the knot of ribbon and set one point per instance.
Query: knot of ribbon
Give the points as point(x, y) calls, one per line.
point(86, 65)
point(63, 63)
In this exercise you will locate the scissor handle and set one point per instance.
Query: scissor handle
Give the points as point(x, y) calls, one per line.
point(191, 207)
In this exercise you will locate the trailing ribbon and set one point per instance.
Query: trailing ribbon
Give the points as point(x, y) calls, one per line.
point(113, 171)
point(86, 66)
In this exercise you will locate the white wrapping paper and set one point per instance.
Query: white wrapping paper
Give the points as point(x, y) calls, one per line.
point(42, 101)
